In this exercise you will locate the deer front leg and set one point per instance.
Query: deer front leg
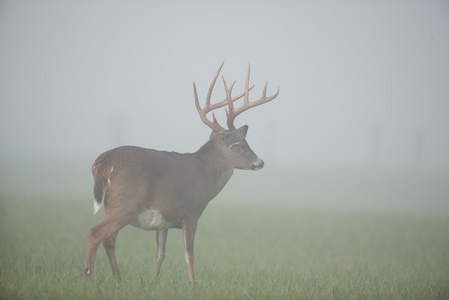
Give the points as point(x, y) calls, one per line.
point(161, 238)
point(188, 233)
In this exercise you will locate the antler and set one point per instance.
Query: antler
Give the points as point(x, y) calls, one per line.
point(233, 112)
point(209, 107)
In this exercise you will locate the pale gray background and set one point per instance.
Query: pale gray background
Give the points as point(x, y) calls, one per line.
point(364, 84)
point(79, 77)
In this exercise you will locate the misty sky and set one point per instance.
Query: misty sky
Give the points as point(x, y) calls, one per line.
point(362, 83)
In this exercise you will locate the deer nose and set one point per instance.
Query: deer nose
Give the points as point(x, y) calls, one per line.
point(258, 165)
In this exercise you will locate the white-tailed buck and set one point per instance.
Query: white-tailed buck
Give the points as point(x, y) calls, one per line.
point(158, 190)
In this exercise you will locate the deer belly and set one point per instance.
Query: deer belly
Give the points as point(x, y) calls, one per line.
point(150, 220)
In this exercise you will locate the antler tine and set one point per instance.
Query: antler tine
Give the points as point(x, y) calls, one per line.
point(209, 107)
point(225, 101)
point(233, 113)
point(212, 84)
point(228, 96)
point(203, 111)
point(246, 85)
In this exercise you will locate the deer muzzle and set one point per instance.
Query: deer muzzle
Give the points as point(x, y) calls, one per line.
point(258, 165)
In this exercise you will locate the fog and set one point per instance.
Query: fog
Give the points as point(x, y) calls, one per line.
point(363, 84)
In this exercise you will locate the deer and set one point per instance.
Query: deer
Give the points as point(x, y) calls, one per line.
point(158, 190)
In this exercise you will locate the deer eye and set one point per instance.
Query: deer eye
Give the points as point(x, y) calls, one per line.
point(240, 145)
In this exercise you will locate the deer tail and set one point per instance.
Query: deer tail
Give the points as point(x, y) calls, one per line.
point(102, 180)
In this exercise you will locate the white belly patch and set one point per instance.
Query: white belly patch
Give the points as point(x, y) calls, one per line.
point(150, 220)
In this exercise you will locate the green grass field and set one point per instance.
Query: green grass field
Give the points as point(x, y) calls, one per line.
point(242, 252)
point(273, 234)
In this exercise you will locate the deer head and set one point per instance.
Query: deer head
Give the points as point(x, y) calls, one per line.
point(233, 139)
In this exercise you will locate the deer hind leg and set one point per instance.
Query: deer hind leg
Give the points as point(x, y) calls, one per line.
point(105, 230)
point(109, 246)
point(161, 238)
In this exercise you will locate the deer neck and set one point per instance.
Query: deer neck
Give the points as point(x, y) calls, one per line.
point(218, 163)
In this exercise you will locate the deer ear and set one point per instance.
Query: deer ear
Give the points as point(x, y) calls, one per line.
point(237, 136)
